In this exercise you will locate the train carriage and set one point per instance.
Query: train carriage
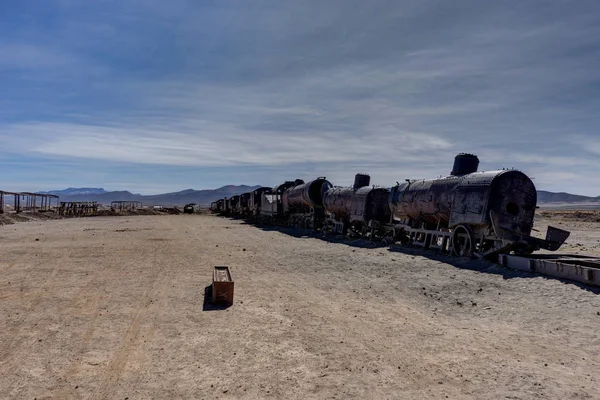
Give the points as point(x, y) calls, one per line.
point(361, 208)
point(303, 203)
point(255, 201)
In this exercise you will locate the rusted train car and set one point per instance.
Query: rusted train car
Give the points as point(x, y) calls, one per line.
point(361, 208)
point(303, 203)
point(255, 201)
point(469, 212)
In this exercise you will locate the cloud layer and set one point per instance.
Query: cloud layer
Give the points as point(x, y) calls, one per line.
point(179, 95)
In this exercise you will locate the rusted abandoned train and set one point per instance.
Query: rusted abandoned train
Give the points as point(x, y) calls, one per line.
point(466, 213)
point(470, 212)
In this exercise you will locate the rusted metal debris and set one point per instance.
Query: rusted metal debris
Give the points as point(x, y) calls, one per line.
point(126, 205)
point(26, 201)
point(578, 268)
point(78, 208)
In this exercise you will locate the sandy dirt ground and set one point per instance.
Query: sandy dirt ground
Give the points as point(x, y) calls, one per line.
point(112, 308)
point(584, 226)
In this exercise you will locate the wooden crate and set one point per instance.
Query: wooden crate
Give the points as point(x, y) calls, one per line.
point(222, 286)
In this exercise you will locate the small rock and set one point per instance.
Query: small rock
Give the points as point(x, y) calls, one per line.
point(243, 249)
point(37, 239)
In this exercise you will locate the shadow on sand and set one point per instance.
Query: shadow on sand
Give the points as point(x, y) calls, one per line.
point(208, 304)
point(482, 266)
point(330, 238)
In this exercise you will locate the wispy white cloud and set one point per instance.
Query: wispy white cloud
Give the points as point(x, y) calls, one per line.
point(202, 143)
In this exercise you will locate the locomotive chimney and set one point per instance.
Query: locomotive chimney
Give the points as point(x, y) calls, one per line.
point(465, 163)
point(361, 180)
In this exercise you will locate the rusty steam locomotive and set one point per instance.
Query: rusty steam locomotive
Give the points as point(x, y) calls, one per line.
point(466, 213)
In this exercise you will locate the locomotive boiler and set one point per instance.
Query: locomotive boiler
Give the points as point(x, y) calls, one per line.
point(303, 203)
point(470, 212)
point(361, 207)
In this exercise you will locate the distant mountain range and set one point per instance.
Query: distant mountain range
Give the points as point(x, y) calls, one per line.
point(202, 197)
point(205, 197)
point(76, 191)
point(562, 197)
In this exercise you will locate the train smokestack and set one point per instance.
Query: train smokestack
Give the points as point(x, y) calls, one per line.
point(465, 163)
point(361, 180)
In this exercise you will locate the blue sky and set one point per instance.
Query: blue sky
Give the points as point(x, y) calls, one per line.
point(157, 96)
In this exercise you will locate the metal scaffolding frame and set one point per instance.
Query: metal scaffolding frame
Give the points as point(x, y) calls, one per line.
point(26, 201)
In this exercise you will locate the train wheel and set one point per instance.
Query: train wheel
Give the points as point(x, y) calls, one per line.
point(462, 241)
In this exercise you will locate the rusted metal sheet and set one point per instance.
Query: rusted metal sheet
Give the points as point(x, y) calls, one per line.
point(222, 286)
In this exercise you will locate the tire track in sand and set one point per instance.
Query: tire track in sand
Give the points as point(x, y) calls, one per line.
point(130, 340)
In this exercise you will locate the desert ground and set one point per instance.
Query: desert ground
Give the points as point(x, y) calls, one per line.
point(113, 308)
